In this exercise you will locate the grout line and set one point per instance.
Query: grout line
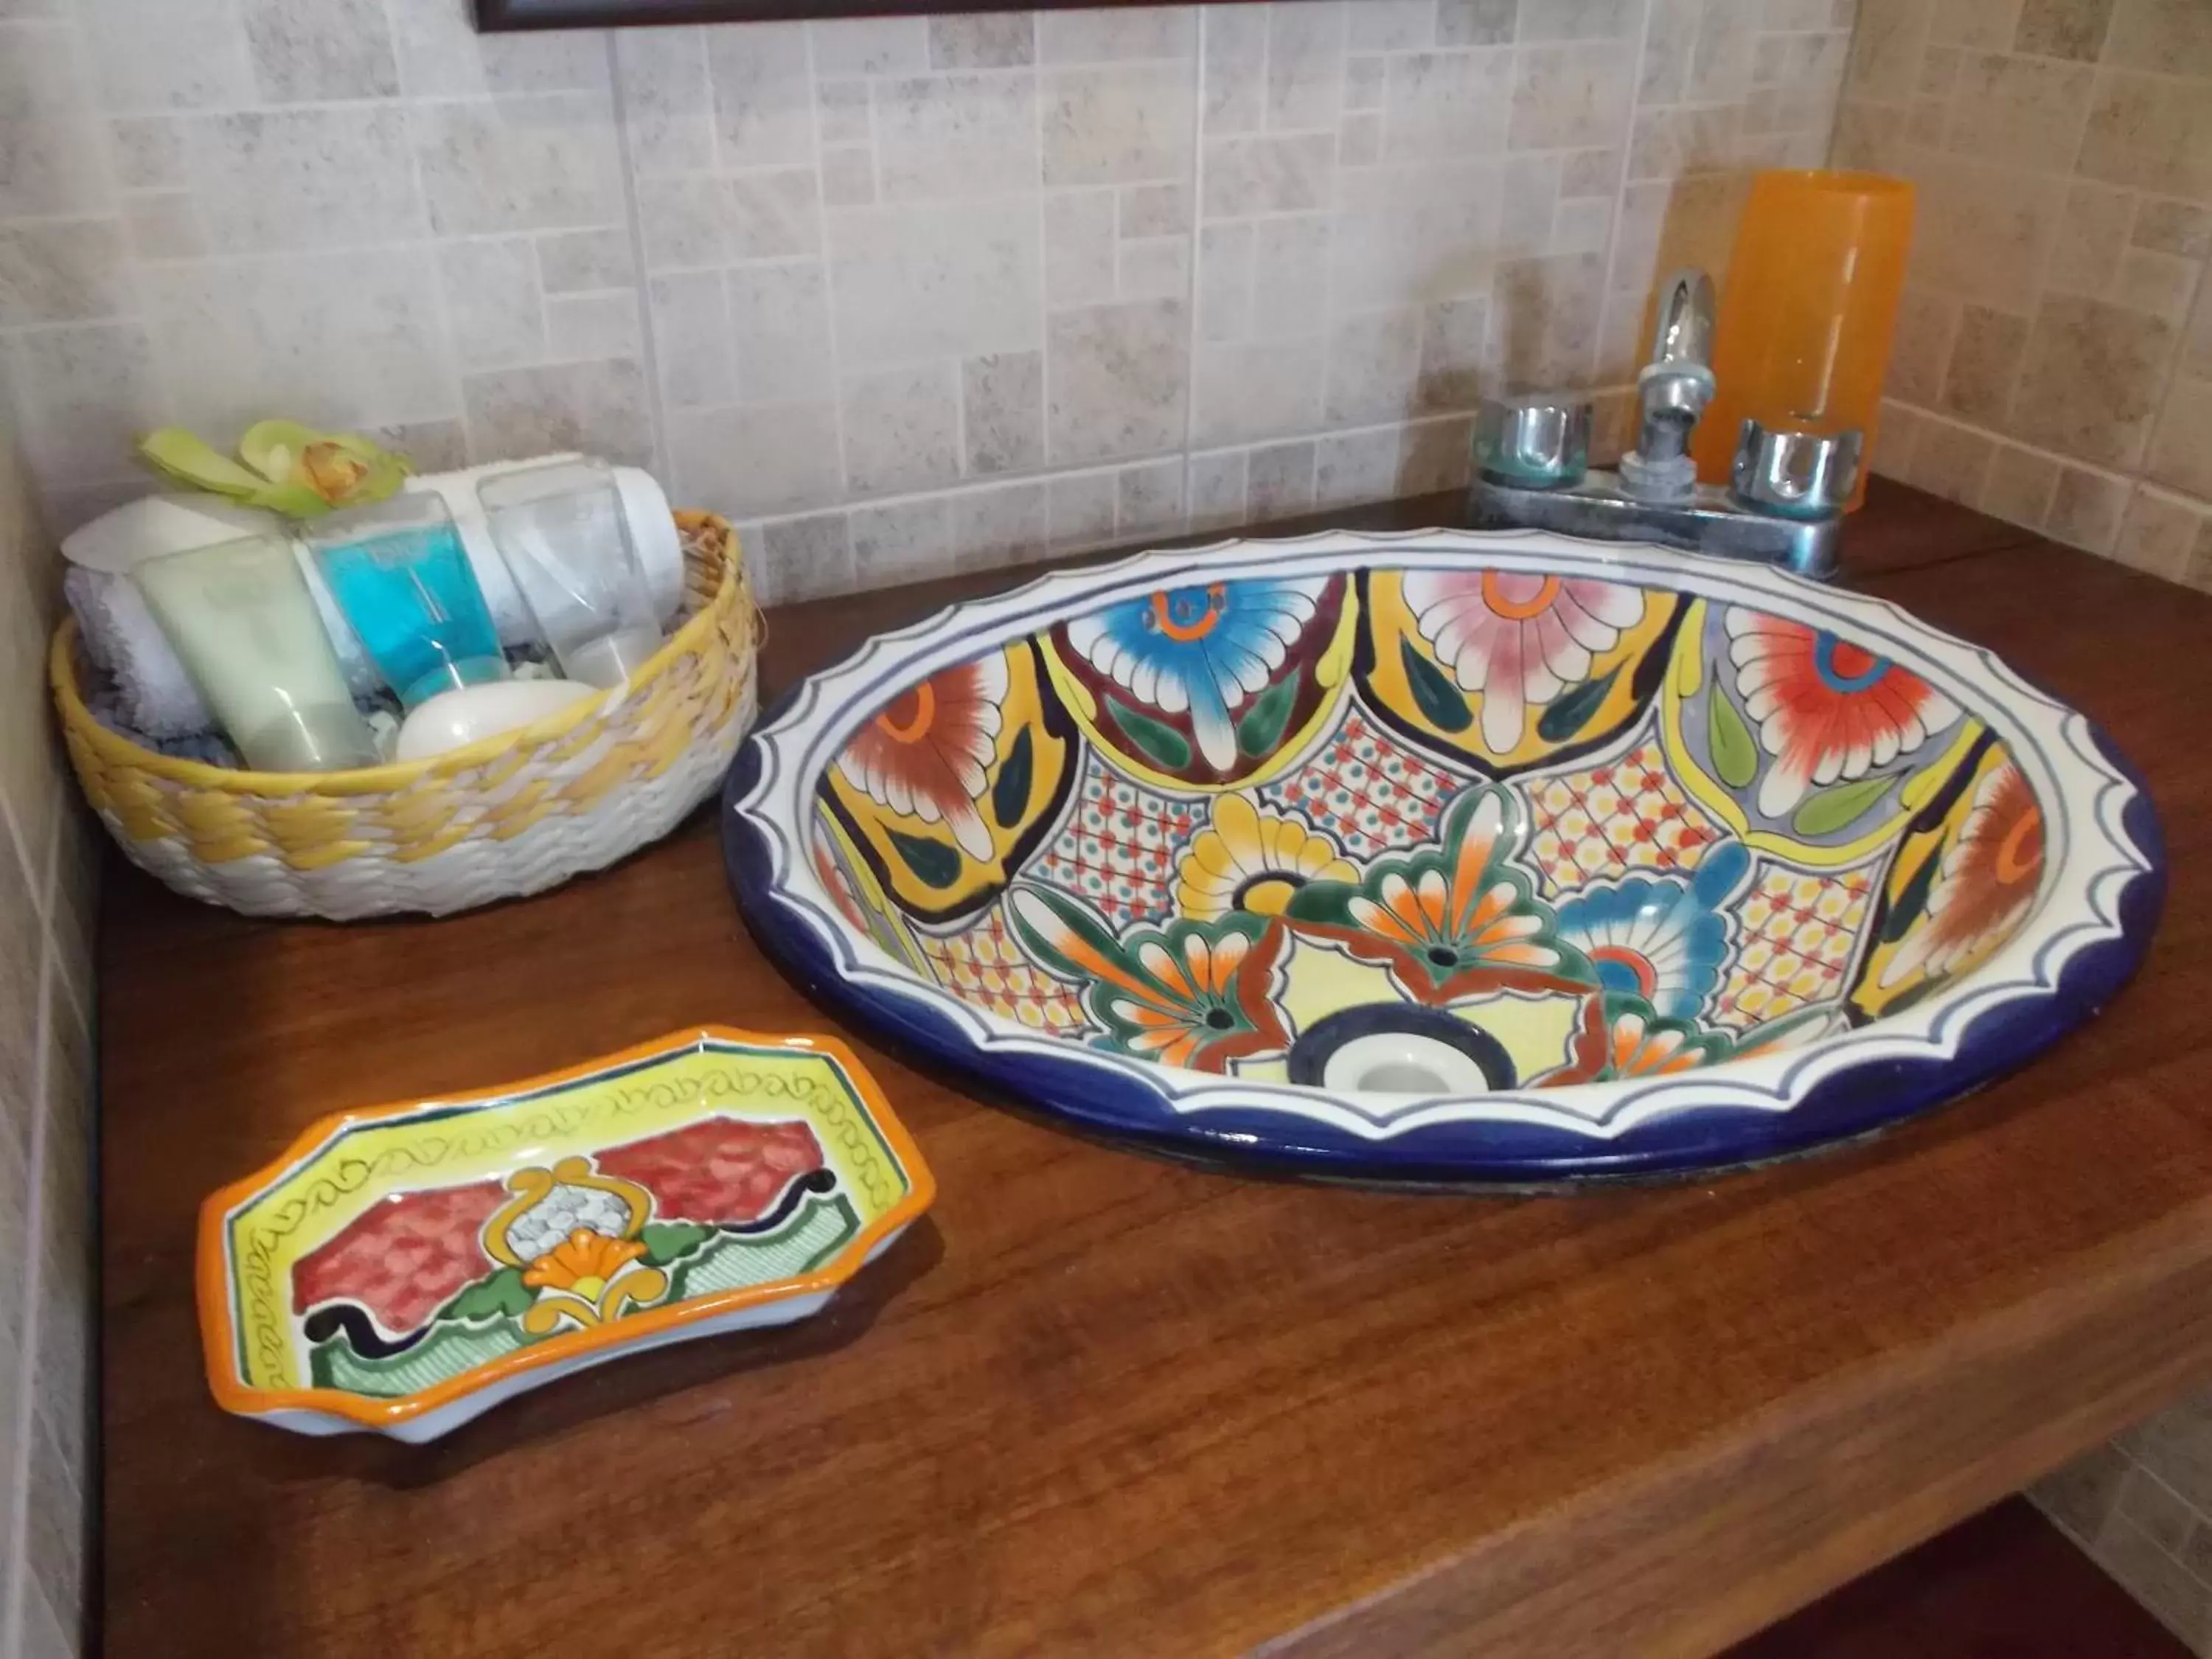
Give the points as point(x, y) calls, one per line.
point(1192, 336)
point(648, 346)
point(17, 1493)
point(1038, 83)
point(836, 390)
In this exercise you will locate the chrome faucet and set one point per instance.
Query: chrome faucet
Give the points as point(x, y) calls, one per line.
point(1784, 503)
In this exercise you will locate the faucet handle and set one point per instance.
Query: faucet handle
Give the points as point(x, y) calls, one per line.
point(1794, 472)
point(1536, 442)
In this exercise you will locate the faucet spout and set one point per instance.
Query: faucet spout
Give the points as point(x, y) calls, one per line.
point(1673, 389)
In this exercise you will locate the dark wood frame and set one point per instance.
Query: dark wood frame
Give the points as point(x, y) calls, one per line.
point(504, 15)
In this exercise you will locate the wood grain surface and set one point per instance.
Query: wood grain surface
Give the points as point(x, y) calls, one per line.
point(1103, 1404)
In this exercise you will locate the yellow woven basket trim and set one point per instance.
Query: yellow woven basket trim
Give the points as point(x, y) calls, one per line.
point(415, 851)
point(412, 810)
point(514, 827)
point(322, 858)
point(225, 849)
point(411, 816)
point(305, 825)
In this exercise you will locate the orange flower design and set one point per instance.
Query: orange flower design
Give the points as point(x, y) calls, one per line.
point(1613, 1041)
point(1198, 994)
point(928, 752)
point(1988, 882)
point(582, 1264)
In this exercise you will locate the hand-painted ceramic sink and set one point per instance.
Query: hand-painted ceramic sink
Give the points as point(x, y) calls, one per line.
point(1446, 857)
point(404, 1267)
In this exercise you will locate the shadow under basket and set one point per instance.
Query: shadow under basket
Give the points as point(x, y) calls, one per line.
point(512, 815)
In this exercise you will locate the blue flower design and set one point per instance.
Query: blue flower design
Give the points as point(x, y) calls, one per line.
point(1204, 650)
point(1659, 938)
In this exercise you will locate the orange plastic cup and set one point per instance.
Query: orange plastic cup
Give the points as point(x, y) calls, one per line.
point(1808, 310)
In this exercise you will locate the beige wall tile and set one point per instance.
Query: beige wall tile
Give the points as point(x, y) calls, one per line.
point(1436, 455)
point(944, 136)
point(1117, 379)
point(1570, 97)
point(1114, 34)
point(2085, 508)
point(1285, 174)
point(2019, 486)
point(1446, 105)
point(1217, 488)
point(902, 427)
point(2158, 284)
point(2170, 227)
point(2027, 111)
point(907, 284)
point(1352, 467)
point(339, 338)
point(2181, 448)
point(1950, 461)
point(780, 332)
point(50, 153)
point(1984, 362)
point(1115, 123)
point(2173, 37)
point(2063, 28)
point(760, 90)
point(536, 163)
point(1264, 390)
point(1280, 481)
point(2089, 382)
point(1002, 412)
point(999, 525)
point(2091, 235)
point(338, 49)
point(806, 558)
point(1474, 22)
point(599, 407)
point(1150, 497)
point(2158, 536)
point(1920, 350)
point(1886, 49)
point(1545, 320)
point(2151, 131)
point(1982, 232)
point(1079, 511)
point(59, 270)
point(1373, 363)
point(1974, 22)
point(741, 462)
point(900, 541)
point(982, 40)
point(2197, 343)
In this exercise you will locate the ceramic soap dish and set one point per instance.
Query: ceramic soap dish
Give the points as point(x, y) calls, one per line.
point(402, 1269)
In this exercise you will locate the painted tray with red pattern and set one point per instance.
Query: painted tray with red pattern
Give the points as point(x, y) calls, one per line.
point(405, 1267)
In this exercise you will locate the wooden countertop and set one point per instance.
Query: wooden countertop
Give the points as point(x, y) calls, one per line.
point(1101, 1403)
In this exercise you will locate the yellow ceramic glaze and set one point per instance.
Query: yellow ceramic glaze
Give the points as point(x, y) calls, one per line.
point(709, 1173)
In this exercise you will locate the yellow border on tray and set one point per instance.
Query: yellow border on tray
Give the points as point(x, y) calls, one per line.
point(212, 1272)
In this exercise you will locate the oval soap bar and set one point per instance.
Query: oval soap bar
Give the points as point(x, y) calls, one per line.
point(454, 720)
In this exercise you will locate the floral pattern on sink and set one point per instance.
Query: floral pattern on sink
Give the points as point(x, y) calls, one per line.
point(1613, 828)
point(1394, 836)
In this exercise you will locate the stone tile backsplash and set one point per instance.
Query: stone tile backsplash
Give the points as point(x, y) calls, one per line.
point(47, 854)
point(900, 295)
point(2054, 356)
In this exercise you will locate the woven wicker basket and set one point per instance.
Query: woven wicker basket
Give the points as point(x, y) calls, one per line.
point(513, 814)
